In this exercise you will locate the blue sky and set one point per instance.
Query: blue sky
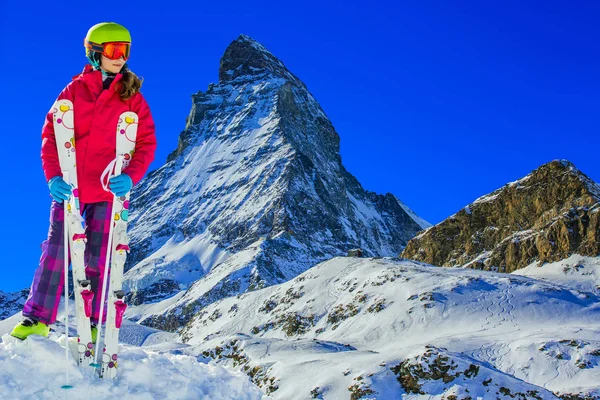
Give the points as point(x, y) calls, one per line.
point(437, 102)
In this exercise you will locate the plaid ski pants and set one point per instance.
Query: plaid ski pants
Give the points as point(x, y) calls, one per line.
point(48, 281)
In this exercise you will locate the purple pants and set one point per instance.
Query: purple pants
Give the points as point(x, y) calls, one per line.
point(48, 281)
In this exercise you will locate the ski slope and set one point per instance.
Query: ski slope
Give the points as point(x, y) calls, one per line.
point(355, 323)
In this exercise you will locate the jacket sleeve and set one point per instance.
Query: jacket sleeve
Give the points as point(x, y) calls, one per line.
point(49, 153)
point(145, 143)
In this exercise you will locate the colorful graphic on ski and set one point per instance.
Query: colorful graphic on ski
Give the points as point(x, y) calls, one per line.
point(64, 133)
point(126, 136)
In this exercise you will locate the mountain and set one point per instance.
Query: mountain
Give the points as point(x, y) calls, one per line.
point(12, 303)
point(546, 216)
point(254, 195)
point(387, 328)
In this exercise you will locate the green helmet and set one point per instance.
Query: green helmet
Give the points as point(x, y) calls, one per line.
point(102, 33)
point(106, 32)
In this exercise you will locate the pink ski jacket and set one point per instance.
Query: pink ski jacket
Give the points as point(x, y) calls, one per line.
point(96, 113)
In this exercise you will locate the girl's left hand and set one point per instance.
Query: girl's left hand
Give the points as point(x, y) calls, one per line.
point(120, 185)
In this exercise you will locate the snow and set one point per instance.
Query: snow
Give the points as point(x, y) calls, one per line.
point(155, 371)
point(521, 332)
point(364, 211)
point(234, 263)
point(534, 330)
point(143, 375)
point(578, 272)
point(184, 262)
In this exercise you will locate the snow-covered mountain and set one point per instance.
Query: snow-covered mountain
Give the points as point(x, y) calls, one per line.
point(254, 195)
point(382, 328)
point(11, 303)
point(545, 216)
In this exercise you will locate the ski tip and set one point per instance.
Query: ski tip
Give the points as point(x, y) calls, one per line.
point(66, 387)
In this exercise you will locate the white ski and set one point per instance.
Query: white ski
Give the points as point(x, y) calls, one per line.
point(65, 143)
point(126, 136)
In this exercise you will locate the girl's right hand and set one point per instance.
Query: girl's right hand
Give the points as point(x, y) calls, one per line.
point(59, 189)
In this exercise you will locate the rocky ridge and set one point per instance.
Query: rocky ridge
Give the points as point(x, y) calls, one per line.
point(546, 216)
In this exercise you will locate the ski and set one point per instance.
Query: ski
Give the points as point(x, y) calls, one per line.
point(63, 121)
point(126, 136)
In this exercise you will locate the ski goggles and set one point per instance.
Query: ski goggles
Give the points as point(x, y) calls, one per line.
point(112, 50)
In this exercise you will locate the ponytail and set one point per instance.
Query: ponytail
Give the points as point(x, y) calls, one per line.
point(128, 85)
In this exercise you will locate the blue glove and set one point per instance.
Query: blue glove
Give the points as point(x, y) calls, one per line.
point(120, 185)
point(59, 189)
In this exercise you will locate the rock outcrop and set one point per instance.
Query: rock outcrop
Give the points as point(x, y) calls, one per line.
point(546, 216)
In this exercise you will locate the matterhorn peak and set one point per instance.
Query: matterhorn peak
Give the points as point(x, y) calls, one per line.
point(255, 194)
point(246, 56)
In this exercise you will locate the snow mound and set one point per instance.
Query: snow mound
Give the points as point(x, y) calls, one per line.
point(577, 272)
point(35, 368)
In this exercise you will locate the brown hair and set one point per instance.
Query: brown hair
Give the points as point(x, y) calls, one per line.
point(128, 85)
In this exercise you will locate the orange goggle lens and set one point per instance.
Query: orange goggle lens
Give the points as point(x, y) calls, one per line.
point(115, 50)
point(112, 50)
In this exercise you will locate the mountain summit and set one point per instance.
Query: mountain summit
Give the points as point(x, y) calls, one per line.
point(254, 195)
point(246, 57)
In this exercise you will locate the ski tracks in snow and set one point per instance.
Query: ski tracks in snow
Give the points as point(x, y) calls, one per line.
point(510, 306)
point(501, 311)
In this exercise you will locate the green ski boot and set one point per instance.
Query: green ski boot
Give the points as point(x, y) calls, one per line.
point(30, 327)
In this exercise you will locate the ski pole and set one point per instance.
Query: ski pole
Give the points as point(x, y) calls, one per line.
point(66, 265)
point(117, 164)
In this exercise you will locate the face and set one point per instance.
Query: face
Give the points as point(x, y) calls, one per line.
point(112, 66)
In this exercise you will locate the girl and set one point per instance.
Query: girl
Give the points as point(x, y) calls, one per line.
point(105, 89)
